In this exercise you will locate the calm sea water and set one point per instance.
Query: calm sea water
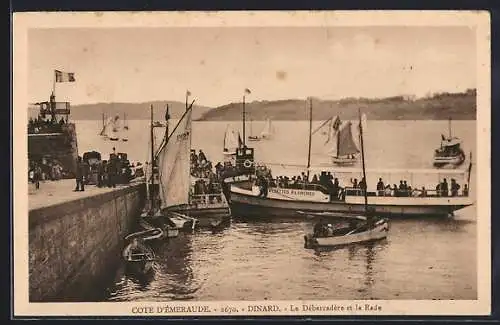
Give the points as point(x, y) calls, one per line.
point(256, 260)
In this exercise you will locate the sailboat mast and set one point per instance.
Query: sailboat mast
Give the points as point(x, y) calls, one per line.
point(449, 128)
point(151, 196)
point(244, 137)
point(363, 160)
point(338, 142)
point(310, 139)
point(167, 118)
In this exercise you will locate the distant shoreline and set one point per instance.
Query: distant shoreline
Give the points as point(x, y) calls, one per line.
point(439, 106)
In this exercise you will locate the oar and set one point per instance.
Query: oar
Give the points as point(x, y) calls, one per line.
point(350, 232)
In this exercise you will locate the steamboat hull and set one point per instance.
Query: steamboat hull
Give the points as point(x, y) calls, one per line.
point(250, 205)
point(454, 161)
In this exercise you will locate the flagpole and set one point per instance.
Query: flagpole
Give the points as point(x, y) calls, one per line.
point(244, 137)
point(54, 84)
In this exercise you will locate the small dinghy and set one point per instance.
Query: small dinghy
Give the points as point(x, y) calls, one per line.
point(327, 235)
point(138, 257)
point(182, 221)
point(146, 235)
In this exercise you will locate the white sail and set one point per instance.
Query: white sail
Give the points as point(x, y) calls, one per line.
point(124, 129)
point(174, 165)
point(232, 140)
point(107, 128)
point(267, 132)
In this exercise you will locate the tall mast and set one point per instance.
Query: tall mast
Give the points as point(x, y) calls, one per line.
point(363, 160)
point(338, 141)
point(244, 137)
point(167, 118)
point(449, 128)
point(151, 196)
point(310, 136)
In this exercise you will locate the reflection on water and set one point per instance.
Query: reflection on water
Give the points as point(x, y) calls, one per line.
point(420, 259)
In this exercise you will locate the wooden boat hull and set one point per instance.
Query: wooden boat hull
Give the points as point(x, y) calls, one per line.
point(206, 216)
point(453, 160)
point(246, 203)
point(251, 138)
point(139, 267)
point(344, 161)
point(168, 230)
point(147, 235)
point(377, 233)
point(140, 263)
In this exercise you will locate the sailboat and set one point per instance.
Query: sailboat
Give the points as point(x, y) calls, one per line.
point(151, 216)
point(360, 229)
point(103, 126)
point(115, 129)
point(124, 133)
point(252, 137)
point(344, 151)
point(266, 133)
point(346, 200)
point(174, 166)
point(110, 129)
point(232, 141)
point(450, 152)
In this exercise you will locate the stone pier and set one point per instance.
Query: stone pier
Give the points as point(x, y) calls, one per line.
point(76, 238)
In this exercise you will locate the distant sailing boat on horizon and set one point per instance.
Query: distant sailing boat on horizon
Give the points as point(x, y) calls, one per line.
point(232, 141)
point(125, 128)
point(340, 139)
point(110, 128)
point(266, 133)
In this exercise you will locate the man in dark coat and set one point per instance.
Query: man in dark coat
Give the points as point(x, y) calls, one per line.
point(80, 173)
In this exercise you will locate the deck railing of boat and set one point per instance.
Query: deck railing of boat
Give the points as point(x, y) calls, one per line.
point(350, 191)
point(207, 199)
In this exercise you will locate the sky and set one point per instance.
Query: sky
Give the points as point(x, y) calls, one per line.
point(216, 64)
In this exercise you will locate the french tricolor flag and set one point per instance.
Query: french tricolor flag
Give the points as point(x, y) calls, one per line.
point(64, 76)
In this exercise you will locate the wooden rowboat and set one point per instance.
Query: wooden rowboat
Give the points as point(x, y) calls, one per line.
point(348, 235)
point(138, 259)
point(146, 235)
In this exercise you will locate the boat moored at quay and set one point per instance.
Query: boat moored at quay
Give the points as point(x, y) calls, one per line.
point(315, 198)
point(293, 197)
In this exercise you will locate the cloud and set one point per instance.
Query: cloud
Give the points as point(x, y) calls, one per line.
point(361, 47)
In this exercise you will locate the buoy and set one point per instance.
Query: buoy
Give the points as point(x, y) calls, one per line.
point(247, 163)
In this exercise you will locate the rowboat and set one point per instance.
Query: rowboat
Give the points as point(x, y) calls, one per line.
point(363, 233)
point(138, 257)
point(182, 221)
point(146, 235)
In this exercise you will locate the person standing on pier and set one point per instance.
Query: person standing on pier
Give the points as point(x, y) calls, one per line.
point(80, 171)
point(112, 170)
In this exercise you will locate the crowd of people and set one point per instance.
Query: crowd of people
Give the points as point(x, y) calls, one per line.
point(207, 185)
point(45, 169)
point(326, 183)
point(41, 125)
